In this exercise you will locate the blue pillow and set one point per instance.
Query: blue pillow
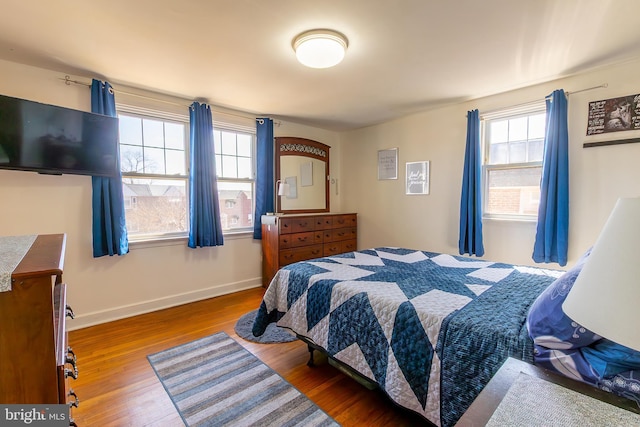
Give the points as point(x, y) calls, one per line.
point(547, 324)
point(609, 358)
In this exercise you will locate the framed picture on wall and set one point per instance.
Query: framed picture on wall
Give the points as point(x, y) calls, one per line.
point(417, 178)
point(388, 164)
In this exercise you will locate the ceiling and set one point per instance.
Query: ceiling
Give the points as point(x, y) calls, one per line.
point(404, 56)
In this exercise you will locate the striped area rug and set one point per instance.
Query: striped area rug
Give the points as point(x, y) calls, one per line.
point(214, 381)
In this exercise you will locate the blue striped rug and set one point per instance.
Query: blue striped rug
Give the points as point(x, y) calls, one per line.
point(214, 381)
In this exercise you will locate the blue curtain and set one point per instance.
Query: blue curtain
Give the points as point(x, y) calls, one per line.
point(264, 173)
point(109, 227)
point(204, 210)
point(552, 235)
point(471, 200)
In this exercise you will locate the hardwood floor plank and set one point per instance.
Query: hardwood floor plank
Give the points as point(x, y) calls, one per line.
point(117, 386)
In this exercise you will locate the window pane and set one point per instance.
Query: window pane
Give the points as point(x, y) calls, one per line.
point(537, 126)
point(514, 191)
point(518, 129)
point(131, 159)
point(155, 206)
point(244, 167)
point(498, 154)
point(536, 150)
point(229, 169)
point(153, 133)
point(218, 165)
point(499, 131)
point(153, 160)
point(228, 143)
point(236, 204)
point(175, 162)
point(174, 135)
point(217, 140)
point(517, 152)
point(130, 130)
point(244, 145)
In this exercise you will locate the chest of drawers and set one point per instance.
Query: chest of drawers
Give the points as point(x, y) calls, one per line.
point(291, 238)
point(36, 361)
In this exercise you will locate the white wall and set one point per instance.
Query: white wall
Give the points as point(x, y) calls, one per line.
point(160, 275)
point(151, 276)
point(386, 216)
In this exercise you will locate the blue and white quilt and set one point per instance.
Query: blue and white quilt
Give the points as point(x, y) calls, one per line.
point(430, 329)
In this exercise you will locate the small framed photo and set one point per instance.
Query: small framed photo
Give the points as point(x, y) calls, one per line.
point(388, 164)
point(417, 178)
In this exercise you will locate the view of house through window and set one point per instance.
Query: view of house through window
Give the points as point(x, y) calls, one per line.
point(514, 148)
point(154, 155)
point(234, 168)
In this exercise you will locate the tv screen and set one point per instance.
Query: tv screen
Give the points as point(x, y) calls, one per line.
point(56, 140)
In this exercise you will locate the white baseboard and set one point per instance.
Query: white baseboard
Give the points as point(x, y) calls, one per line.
point(103, 316)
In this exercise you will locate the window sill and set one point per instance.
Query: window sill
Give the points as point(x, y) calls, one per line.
point(155, 242)
point(529, 220)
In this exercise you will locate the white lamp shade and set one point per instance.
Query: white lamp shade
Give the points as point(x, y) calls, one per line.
point(320, 48)
point(283, 188)
point(605, 297)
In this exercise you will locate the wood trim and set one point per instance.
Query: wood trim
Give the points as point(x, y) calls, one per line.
point(281, 150)
point(43, 258)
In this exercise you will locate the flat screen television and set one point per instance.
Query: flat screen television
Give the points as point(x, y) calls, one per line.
point(56, 140)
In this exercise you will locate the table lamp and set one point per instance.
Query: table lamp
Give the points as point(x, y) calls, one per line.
point(605, 297)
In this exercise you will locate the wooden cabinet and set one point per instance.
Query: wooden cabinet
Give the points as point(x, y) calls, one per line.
point(35, 359)
point(291, 238)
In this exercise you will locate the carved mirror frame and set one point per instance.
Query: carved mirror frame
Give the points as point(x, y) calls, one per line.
point(294, 146)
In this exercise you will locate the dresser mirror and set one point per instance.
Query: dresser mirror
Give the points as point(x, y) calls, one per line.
point(302, 169)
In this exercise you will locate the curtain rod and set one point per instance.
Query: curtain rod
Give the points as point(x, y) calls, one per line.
point(526, 104)
point(68, 81)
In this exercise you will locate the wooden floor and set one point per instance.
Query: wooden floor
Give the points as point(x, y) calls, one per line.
point(117, 386)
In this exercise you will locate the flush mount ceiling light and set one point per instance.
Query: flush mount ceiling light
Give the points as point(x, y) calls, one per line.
point(320, 48)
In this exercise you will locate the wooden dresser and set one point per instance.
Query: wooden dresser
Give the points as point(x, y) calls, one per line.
point(291, 238)
point(35, 359)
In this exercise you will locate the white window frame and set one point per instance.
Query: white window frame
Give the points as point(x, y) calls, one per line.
point(237, 128)
point(505, 114)
point(218, 124)
point(153, 114)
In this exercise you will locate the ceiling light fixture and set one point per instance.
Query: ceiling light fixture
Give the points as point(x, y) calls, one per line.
point(320, 48)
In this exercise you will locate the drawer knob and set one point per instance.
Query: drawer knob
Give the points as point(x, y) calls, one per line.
point(76, 401)
point(69, 373)
point(302, 239)
point(70, 357)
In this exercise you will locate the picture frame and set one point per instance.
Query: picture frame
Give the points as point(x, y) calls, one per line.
point(417, 178)
point(388, 164)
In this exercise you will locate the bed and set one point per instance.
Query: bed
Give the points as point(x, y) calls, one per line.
point(429, 329)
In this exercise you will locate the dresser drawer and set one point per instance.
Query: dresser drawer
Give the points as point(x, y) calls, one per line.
point(335, 248)
point(342, 221)
point(296, 225)
point(324, 222)
point(289, 256)
point(339, 234)
point(349, 245)
point(295, 240)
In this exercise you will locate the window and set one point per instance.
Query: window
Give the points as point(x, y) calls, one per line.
point(235, 170)
point(514, 148)
point(154, 160)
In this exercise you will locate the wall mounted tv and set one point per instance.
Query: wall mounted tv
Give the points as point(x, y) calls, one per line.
point(56, 140)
